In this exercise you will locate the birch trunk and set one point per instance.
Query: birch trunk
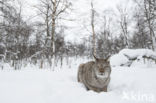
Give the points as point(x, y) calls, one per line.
point(93, 29)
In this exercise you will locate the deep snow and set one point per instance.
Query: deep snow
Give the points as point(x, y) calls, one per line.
point(135, 84)
point(61, 86)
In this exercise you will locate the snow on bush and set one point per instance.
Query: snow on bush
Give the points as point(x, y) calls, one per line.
point(118, 60)
point(134, 53)
point(129, 57)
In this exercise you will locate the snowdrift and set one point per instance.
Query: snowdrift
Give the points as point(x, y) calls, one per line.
point(133, 57)
point(61, 86)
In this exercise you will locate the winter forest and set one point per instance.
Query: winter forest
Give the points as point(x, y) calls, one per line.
point(38, 41)
point(43, 42)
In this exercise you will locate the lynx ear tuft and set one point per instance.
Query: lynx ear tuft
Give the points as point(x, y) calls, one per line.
point(96, 59)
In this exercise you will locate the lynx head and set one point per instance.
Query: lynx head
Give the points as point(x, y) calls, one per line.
point(102, 67)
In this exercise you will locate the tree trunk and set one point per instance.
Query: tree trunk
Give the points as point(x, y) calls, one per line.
point(93, 30)
point(148, 15)
point(53, 29)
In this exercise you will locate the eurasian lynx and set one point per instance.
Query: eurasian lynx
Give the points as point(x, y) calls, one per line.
point(95, 75)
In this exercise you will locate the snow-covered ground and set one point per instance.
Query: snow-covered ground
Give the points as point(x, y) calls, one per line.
point(135, 84)
point(128, 85)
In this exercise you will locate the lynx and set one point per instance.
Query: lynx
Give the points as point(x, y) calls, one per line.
point(95, 75)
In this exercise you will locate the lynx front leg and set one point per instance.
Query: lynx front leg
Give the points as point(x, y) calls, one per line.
point(80, 73)
point(87, 88)
point(105, 89)
point(78, 78)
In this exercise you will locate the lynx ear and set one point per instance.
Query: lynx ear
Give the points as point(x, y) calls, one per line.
point(108, 58)
point(96, 59)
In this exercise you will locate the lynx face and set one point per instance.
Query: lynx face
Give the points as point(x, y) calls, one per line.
point(102, 68)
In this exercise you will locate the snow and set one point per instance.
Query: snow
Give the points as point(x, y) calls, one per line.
point(122, 58)
point(118, 59)
point(132, 53)
point(61, 86)
point(134, 84)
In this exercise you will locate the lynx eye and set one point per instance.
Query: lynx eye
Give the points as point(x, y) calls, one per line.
point(106, 67)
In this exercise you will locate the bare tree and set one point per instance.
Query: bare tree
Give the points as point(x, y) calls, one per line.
point(58, 7)
point(123, 21)
point(150, 14)
point(15, 32)
point(105, 35)
point(52, 10)
point(93, 29)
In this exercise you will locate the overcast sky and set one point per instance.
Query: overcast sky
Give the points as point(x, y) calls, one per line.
point(81, 5)
point(81, 13)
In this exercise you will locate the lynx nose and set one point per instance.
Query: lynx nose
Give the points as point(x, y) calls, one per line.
point(102, 70)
